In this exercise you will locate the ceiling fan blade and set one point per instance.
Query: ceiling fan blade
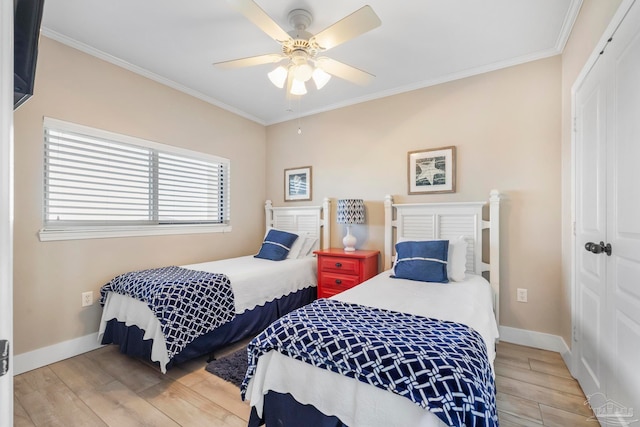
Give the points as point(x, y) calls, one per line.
point(344, 71)
point(359, 22)
point(259, 17)
point(251, 61)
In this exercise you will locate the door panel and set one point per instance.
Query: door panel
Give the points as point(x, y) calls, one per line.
point(591, 339)
point(625, 390)
point(623, 201)
point(626, 150)
point(591, 155)
point(591, 128)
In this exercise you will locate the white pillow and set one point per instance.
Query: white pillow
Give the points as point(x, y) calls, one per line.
point(308, 246)
point(456, 256)
point(296, 248)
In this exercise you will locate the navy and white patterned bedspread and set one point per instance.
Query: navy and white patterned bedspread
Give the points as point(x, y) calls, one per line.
point(441, 366)
point(188, 303)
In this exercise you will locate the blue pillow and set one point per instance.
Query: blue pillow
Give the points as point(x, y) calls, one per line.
point(425, 261)
point(276, 245)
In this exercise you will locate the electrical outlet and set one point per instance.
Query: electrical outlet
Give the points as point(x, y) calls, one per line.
point(87, 298)
point(521, 295)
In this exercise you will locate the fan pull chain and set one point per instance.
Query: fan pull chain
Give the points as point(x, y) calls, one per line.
point(299, 116)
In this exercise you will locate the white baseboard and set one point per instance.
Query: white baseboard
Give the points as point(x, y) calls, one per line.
point(539, 340)
point(54, 353)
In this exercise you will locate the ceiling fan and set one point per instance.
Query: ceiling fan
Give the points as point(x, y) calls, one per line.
point(300, 49)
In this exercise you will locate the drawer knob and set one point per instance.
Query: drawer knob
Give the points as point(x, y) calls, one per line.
point(338, 264)
point(338, 282)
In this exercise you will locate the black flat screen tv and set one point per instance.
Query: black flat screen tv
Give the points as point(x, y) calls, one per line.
point(26, 28)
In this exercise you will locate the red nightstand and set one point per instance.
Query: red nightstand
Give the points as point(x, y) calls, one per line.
point(339, 270)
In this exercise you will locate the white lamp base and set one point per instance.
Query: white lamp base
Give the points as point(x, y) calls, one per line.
point(349, 241)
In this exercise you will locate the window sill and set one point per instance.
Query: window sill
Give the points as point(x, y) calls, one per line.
point(53, 234)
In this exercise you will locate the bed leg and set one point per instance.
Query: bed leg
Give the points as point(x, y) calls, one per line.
point(211, 357)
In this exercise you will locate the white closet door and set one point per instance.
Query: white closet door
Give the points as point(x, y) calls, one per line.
point(591, 138)
point(623, 213)
point(607, 315)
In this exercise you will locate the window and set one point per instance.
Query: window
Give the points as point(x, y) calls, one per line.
point(102, 184)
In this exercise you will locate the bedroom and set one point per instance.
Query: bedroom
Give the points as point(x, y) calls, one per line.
point(515, 138)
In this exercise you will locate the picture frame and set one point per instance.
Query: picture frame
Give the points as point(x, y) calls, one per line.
point(297, 184)
point(432, 170)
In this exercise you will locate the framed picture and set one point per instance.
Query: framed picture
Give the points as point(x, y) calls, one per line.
point(297, 184)
point(432, 171)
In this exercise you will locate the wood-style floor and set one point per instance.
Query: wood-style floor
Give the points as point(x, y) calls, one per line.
point(106, 388)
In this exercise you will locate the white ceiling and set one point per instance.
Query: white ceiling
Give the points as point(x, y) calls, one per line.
point(420, 43)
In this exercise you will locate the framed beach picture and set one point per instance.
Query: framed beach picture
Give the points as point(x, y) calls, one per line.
point(432, 171)
point(297, 184)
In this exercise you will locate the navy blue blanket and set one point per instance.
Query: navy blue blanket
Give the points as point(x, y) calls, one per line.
point(187, 303)
point(441, 366)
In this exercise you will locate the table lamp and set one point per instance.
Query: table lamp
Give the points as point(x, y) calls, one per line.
point(350, 211)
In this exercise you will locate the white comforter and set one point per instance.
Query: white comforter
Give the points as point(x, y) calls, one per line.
point(359, 404)
point(254, 281)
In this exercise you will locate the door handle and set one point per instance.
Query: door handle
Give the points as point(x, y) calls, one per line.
point(598, 248)
point(4, 357)
point(593, 247)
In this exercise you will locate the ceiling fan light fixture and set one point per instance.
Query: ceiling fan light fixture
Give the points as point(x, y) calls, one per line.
point(278, 76)
point(298, 87)
point(302, 72)
point(320, 77)
point(300, 47)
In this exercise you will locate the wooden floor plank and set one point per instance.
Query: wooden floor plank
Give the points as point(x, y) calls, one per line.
point(553, 368)
point(514, 405)
point(543, 395)
point(510, 420)
point(57, 405)
point(81, 373)
point(224, 394)
point(35, 380)
point(20, 416)
point(190, 372)
point(554, 417)
point(128, 370)
point(118, 405)
point(189, 408)
point(517, 361)
point(567, 385)
point(514, 350)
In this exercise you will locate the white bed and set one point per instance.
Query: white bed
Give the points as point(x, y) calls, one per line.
point(472, 302)
point(255, 283)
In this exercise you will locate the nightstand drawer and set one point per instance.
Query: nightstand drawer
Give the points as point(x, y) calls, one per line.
point(338, 280)
point(341, 265)
point(332, 284)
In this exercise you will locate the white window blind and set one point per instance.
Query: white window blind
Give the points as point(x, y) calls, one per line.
point(94, 178)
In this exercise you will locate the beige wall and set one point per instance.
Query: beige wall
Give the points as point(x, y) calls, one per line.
point(506, 127)
point(50, 276)
point(589, 27)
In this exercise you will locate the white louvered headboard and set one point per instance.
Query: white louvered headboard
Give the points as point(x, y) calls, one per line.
point(448, 221)
point(313, 220)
